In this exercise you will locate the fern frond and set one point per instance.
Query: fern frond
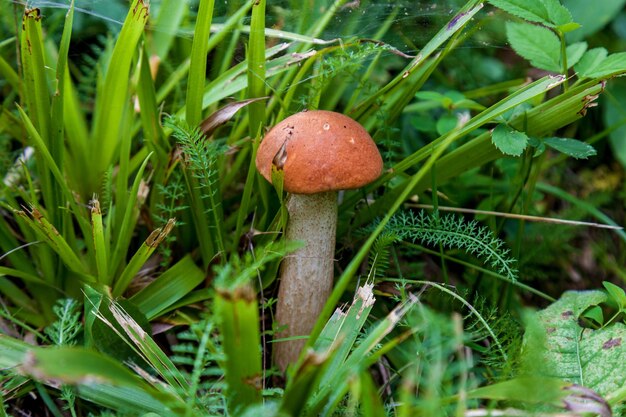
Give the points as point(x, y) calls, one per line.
point(197, 356)
point(451, 231)
point(170, 206)
point(379, 254)
point(64, 330)
point(201, 158)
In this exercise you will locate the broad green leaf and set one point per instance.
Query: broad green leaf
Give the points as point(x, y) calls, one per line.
point(508, 140)
point(574, 52)
point(557, 13)
point(595, 313)
point(591, 16)
point(612, 65)
point(572, 147)
point(595, 359)
point(590, 61)
point(446, 123)
point(568, 27)
point(537, 44)
point(532, 10)
point(616, 293)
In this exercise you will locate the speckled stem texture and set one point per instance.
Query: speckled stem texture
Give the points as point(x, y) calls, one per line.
point(306, 275)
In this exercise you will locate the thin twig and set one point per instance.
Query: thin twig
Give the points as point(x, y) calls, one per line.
point(520, 216)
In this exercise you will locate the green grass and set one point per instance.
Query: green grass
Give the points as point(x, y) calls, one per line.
point(140, 248)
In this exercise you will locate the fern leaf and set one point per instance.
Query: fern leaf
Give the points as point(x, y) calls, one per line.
point(453, 232)
point(379, 254)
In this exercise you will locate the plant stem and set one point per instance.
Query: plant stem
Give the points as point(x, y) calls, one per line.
point(307, 274)
point(563, 59)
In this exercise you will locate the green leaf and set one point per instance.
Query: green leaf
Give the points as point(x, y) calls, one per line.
point(591, 16)
point(614, 64)
point(528, 389)
point(108, 336)
point(237, 310)
point(571, 147)
point(574, 52)
point(73, 365)
point(590, 61)
point(508, 140)
point(568, 27)
point(615, 117)
point(446, 123)
point(537, 44)
point(595, 313)
point(532, 10)
point(616, 293)
point(197, 70)
point(110, 110)
point(168, 288)
point(557, 13)
point(595, 359)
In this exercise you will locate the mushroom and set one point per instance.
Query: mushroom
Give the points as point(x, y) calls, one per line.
point(320, 153)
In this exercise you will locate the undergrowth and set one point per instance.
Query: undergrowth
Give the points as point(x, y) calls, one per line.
point(141, 250)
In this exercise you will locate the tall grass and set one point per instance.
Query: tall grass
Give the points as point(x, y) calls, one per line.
point(145, 209)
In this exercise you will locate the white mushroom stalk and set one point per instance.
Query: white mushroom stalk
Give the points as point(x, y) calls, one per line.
point(320, 152)
point(307, 274)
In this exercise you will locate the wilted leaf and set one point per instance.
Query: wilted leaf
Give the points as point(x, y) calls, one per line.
point(224, 114)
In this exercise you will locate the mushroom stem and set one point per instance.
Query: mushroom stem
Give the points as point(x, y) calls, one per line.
point(307, 274)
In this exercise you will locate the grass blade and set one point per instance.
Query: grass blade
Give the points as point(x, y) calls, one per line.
point(237, 310)
point(197, 69)
point(140, 257)
point(109, 115)
point(168, 288)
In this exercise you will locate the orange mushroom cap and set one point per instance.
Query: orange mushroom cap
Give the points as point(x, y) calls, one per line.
point(319, 151)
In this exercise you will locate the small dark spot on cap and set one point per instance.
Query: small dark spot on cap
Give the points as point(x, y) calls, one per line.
point(612, 343)
point(551, 330)
point(567, 314)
